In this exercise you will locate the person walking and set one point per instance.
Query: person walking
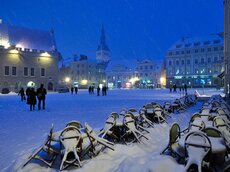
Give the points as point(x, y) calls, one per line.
point(174, 88)
point(71, 89)
point(185, 89)
point(22, 94)
point(41, 95)
point(31, 97)
point(90, 89)
point(170, 88)
point(98, 91)
point(76, 89)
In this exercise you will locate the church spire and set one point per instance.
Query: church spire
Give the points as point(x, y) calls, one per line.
point(103, 52)
point(102, 41)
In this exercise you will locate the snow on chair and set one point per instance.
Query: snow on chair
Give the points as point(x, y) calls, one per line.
point(71, 141)
point(173, 146)
point(95, 141)
point(108, 130)
point(197, 147)
point(48, 147)
point(76, 124)
point(144, 121)
point(132, 134)
point(158, 115)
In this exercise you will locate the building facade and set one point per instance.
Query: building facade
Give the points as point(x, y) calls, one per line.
point(227, 47)
point(120, 76)
point(196, 62)
point(143, 74)
point(148, 73)
point(83, 73)
point(27, 55)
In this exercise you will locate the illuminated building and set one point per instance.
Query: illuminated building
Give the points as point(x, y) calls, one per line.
point(143, 74)
point(196, 62)
point(83, 73)
point(27, 55)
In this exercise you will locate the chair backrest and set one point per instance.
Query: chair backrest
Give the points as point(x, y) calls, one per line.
point(194, 116)
point(132, 110)
point(212, 132)
point(198, 139)
point(74, 133)
point(148, 106)
point(76, 124)
point(218, 121)
point(174, 133)
point(128, 118)
point(115, 115)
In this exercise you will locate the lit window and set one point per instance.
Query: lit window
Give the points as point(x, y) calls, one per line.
point(7, 70)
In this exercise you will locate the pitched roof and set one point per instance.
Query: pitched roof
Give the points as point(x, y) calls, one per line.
point(27, 38)
point(193, 42)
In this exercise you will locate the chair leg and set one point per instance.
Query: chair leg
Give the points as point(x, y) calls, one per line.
point(164, 150)
point(63, 161)
point(77, 157)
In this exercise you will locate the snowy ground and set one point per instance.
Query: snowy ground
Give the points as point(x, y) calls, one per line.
point(22, 131)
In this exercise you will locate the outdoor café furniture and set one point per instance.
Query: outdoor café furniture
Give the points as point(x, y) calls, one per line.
point(50, 149)
point(197, 145)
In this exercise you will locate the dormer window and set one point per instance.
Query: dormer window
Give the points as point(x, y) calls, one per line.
point(196, 43)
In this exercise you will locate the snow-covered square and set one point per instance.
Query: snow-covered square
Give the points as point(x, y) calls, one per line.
point(23, 131)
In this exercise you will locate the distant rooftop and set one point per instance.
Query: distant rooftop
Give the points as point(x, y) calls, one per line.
point(193, 42)
point(26, 38)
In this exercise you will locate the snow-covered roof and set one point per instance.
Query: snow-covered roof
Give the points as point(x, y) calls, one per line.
point(193, 42)
point(123, 65)
point(27, 38)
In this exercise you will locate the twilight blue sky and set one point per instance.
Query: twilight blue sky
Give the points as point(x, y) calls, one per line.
point(134, 28)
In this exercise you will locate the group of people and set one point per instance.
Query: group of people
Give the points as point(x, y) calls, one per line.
point(91, 89)
point(31, 96)
point(104, 90)
point(174, 88)
point(75, 89)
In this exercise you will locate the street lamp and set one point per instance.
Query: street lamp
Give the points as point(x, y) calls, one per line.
point(67, 79)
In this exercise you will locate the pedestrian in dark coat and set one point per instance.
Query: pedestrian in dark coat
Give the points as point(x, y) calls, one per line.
point(174, 88)
point(22, 94)
point(71, 89)
point(31, 97)
point(41, 95)
point(98, 91)
point(76, 90)
point(185, 88)
point(90, 89)
point(170, 88)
